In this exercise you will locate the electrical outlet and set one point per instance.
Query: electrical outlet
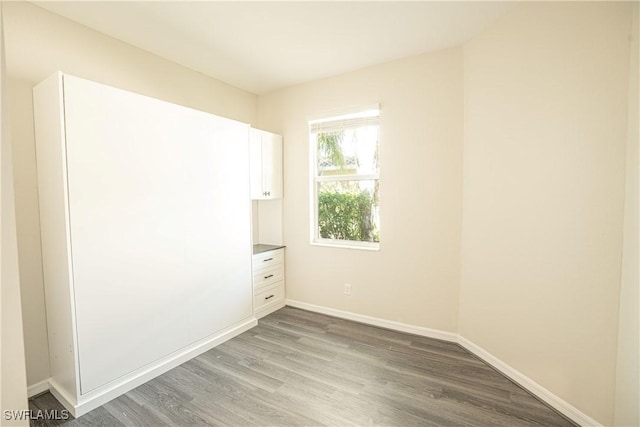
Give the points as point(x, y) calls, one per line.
point(347, 289)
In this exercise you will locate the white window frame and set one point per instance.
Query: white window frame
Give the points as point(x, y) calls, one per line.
point(315, 178)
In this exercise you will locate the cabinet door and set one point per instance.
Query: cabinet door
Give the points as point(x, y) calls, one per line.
point(266, 165)
point(155, 237)
point(220, 264)
point(272, 165)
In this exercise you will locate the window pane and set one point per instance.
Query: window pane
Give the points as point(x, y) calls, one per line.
point(349, 210)
point(348, 152)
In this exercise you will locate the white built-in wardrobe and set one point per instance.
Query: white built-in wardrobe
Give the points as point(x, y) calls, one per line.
point(145, 222)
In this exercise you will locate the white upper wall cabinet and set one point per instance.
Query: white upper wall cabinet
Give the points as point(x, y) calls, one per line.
point(266, 165)
point(145, 231)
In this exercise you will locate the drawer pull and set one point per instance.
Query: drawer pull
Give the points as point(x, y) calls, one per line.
point(268, 259)
point(269, 297)
point(266, 277)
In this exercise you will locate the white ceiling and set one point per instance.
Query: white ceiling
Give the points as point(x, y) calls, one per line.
point(262, 46)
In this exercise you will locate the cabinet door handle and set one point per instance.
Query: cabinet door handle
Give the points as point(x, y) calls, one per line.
point(266, 277)
point(269, 297)
point(268, 259)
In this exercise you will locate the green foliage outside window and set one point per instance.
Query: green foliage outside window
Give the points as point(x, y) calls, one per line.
point(329, 146)
point(346, 216)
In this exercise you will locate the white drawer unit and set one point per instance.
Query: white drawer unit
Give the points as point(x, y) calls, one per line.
point(268, 281)
point(268, 276)
point(268, 259)
point(269, 299)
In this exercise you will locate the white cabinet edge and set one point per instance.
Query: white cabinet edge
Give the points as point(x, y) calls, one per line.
point(54, 229)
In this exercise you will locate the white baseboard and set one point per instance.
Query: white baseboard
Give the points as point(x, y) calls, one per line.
point(527, 383)
point(539, 391)
point(37, 388)
point(376, 321)
point(99, 397)
point(261, 312)
point(67, 401)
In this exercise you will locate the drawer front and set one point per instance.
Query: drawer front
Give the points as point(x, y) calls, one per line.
point(268, 259)
point(269, 296)
point(268, 276)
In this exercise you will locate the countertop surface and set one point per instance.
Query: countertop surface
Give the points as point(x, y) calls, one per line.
point(260, 248)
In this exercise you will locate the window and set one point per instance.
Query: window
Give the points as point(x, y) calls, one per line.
point(345, 180)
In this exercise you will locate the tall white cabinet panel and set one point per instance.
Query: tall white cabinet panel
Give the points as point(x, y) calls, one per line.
point(266, 165)
point(150, 199)
point(55, 237)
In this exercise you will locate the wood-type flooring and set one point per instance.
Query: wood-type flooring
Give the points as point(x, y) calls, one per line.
point(298, 368)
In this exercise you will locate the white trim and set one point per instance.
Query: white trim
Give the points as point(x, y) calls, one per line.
point(355, 177)
point(340, 112)
point(313, 190)
point(346, 244)
point(261, 312)
point(527, 383)
point(99, 397)
point(38, 388)
point(67, 401)
point(545, 395)
point(375, 321)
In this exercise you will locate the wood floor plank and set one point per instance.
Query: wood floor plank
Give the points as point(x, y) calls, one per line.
point(230, 365)
point(221, 412)
point(99, 417)
point(131, 414)
point(298, 368)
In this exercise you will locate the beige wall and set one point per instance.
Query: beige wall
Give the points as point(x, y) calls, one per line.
point(414, 277)
point(40, 43)
point(13, 382)
point(544, 159)
point(627, 410)
point(545, 129)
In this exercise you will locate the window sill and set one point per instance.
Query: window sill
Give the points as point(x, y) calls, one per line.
point(365, 246)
